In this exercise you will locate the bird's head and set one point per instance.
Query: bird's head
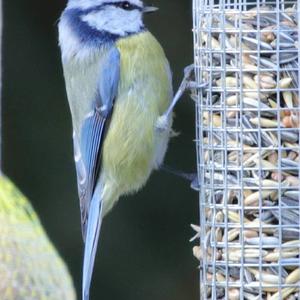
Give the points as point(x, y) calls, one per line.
point(115, 17)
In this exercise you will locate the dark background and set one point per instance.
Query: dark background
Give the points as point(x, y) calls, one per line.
point(144, 252)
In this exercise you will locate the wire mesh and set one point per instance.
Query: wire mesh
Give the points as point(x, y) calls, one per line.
point(248, 148)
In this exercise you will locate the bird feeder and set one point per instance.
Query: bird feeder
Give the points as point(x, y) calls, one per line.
point(248, 148)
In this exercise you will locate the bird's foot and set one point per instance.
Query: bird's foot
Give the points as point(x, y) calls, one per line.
point(187, 83)
point(162, 123)
point(192, 178)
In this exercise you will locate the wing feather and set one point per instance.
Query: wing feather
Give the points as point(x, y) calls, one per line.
point(87, 147)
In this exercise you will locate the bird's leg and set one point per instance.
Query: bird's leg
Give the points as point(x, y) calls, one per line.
point(187, 83)
point(162, 122)
point(192, 178)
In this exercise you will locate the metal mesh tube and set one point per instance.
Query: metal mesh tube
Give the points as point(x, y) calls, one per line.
point(248, 148)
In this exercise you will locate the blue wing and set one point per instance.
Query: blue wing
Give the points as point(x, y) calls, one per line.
point(87, 151)
point(87, 148)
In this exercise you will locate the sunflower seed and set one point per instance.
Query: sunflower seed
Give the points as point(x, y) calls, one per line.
point(250, 153)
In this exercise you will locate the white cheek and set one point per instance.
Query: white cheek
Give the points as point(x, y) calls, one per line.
point(96, 20)
point(115, 21)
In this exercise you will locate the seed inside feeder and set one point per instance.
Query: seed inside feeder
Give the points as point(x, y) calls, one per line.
point(249, 149)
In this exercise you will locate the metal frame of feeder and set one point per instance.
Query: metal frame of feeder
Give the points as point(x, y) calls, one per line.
point(248, 155)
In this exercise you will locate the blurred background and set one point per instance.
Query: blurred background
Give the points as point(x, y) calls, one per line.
point(144, 251)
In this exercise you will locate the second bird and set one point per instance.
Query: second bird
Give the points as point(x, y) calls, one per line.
point(118, 83)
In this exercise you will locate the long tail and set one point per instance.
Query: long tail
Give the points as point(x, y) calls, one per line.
point(91, 242)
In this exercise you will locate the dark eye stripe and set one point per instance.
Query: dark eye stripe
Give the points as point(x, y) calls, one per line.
point(102, 6)
point(121, 3)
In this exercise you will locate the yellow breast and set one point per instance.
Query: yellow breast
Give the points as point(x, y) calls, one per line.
point(144, 66)
point(144, 94)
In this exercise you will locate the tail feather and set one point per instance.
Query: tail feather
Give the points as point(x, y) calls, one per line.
point(91, 242)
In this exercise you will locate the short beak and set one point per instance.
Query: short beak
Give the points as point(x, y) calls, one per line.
point(149, 9)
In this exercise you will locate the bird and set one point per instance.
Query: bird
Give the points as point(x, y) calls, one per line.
point(118, 83)
point(30, 266)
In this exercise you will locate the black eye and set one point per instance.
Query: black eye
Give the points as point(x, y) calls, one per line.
point(126, 5)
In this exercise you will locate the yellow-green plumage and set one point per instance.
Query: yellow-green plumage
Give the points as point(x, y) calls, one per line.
point(30, 267)
point(118, 82)
point(133, 126)
point(132, 146)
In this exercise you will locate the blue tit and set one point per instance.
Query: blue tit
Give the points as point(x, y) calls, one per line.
point(118, 84)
